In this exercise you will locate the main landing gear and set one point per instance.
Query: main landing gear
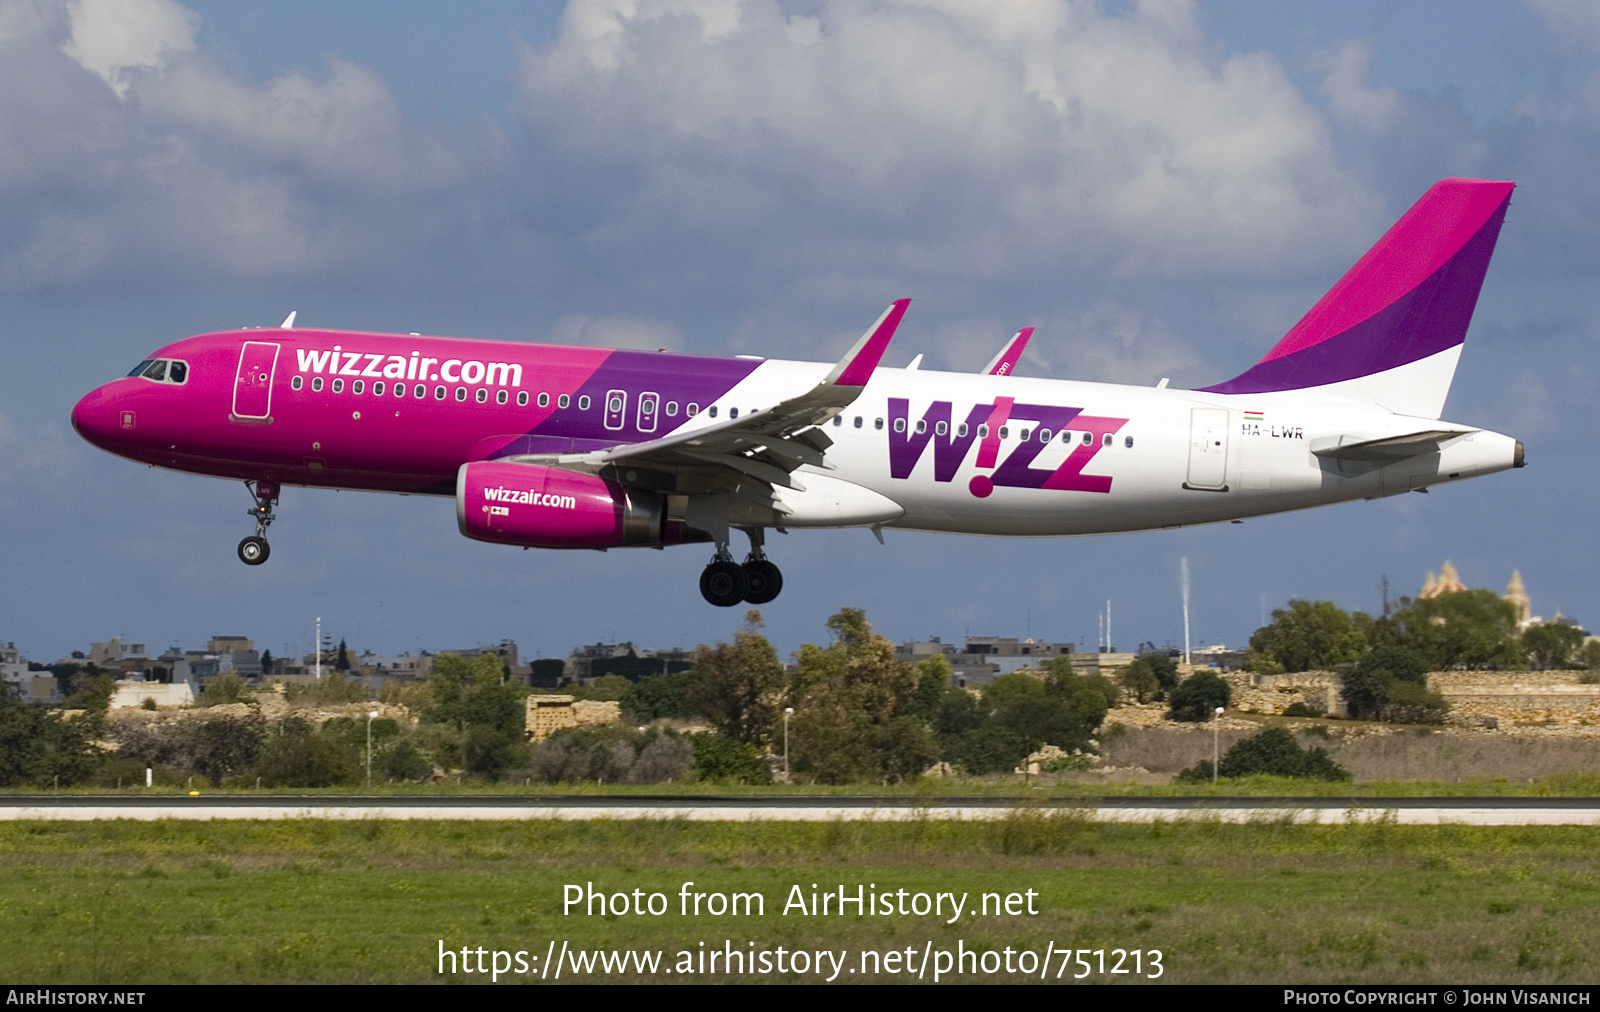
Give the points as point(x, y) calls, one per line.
point(725, 583)
point(253, 551)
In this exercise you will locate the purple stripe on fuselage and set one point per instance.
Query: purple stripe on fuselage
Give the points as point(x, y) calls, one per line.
point(1430, 318)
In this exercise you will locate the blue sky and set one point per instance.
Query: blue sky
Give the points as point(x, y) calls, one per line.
point(1161, 188)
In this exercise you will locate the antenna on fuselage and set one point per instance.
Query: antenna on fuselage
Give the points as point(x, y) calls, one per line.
point(288, 321)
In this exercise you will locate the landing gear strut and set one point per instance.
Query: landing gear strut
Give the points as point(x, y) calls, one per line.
point(725, 583)
point(764, 579)
point(253, 551)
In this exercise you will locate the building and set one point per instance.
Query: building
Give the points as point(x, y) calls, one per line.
point(548, 714)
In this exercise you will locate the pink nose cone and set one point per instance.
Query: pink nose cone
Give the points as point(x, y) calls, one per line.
point(98, 420)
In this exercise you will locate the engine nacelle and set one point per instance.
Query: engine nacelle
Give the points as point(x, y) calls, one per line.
point(548, 507)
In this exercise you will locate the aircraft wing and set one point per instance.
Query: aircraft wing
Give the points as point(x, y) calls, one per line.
point(749, 455)
point(1389, 448)
point(1005, 363)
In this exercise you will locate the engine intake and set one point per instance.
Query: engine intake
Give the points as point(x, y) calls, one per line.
point(547, 507)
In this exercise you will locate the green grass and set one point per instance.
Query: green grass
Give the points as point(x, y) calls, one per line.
point(1270, 902)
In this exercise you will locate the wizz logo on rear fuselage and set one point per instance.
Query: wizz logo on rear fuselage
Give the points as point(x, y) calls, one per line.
point(952, 442)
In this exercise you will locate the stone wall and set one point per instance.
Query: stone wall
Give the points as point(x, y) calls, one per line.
point(1502, 700)
point(1508, 700)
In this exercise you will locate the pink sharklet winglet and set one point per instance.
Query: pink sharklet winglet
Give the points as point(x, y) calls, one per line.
point(857, 366)
point(1005, 363)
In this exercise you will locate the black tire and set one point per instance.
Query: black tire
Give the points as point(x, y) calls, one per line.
point(765, 581)
point(253, 551)
point(723, 584)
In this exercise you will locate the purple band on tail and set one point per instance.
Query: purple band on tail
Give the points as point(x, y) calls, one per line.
point(1410, 297)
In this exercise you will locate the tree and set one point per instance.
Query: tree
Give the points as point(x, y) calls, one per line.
point(38, 745)
point(1273, 752)
point(727, 760)
point(853, 703)
point(1553, 645)
point(1197, 697)
point(1463, 629)
point(471, 696)
point(226, 688)
point(739, 684)
point(1307, 636)
point(656, 697)
point(296, 755)
point(266, 662)
point(1369, 684)
point(342, 662)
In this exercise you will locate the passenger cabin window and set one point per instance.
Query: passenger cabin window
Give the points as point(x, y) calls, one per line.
point(438, 393)
point(544, 400)
point(838, 420)
point(522, 398)
point(338, 386)
point(692, 410)
point(983, 431)
point(733, 412)
point(1127, 441)
point(940, 428)
point(583, 403)
point(1107, 441)
point(483, 395)
point(377, 388)
point(1088, 437)
point(713, 410)
point(961, 430)
point(1044, 435)
point(1005, 432)
point(316, 382)
point(563, 401)
point(297, 383)
point(461, 393)
point(672, 409)
point(858, 421)
point(877, 423)
point(357, 386)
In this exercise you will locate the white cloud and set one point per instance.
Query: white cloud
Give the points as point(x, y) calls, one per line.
point(980, 136)
point(1353, 102)
point(163, 164)
point(616, 332)
point(119, 38)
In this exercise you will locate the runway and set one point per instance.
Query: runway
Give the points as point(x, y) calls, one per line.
point(1475, 811)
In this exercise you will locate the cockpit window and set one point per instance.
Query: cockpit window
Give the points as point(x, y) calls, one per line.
point(162, 370)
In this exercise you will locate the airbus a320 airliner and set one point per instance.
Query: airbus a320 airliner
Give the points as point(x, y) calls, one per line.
point(559, 447)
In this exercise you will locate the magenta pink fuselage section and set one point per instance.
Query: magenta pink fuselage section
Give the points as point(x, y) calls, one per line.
point(386, 412)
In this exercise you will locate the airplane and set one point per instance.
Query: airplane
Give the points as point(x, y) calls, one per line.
point(576, 447)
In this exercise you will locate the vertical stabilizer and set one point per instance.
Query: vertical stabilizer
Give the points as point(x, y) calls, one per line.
point(1390, 332)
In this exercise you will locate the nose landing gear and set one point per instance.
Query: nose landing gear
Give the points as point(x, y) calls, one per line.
point(725, 583)
point(253, 550)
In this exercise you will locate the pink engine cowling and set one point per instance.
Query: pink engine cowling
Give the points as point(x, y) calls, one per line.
point(547, 507)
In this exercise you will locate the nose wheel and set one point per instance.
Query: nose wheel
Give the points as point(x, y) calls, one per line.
point(253, 550)
point(725, 583)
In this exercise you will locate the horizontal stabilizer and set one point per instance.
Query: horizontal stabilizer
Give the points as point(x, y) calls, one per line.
point(1363, 448)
